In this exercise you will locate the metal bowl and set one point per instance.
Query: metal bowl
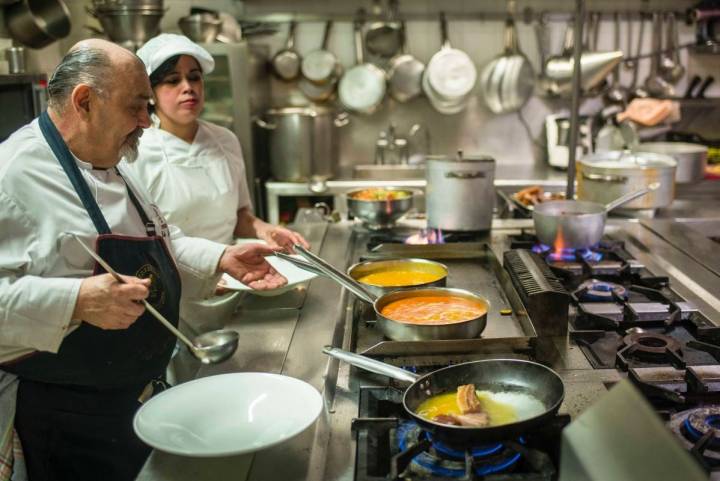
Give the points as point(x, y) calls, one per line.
point(379, 214)
point(129, 26)
point(201, 27)
point(362, 269)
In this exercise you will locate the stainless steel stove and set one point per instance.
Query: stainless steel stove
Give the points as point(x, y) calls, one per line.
point(603, 303)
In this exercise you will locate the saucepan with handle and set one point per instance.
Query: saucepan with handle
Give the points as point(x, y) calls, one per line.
point(406, 331)
point(529, 394)
point(577, 224)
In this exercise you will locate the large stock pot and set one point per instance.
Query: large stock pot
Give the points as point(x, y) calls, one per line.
point(303, 142)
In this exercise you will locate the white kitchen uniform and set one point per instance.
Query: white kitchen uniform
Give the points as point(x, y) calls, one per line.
point(199, 187)
point(41, 266)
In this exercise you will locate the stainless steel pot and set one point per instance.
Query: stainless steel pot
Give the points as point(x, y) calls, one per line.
point(460, 194)
point(37, 23)
point(129, 26)
point(402, 331)
point(691, 158)
point(605, 176)
point(380, 214)
point(362, 269)
point(201, 27)
point(577, 224)
point(303, 144)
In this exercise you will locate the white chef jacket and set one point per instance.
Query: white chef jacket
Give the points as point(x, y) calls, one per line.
point(41, 267)
point(199, 187)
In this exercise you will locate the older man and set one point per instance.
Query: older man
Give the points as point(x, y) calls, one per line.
point(81, 345)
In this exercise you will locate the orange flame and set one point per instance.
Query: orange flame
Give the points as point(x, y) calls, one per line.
point(559, 244)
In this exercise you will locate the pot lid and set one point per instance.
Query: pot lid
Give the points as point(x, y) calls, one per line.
point(627, 161)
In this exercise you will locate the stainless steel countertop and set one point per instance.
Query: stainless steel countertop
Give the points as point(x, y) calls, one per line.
point(285, 334)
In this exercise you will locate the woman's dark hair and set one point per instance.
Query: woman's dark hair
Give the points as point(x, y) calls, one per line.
point(163, 71)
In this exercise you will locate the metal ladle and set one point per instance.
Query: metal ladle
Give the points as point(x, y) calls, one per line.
point(209, 348)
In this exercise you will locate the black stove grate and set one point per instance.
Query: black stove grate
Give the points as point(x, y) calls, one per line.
point(391, 447)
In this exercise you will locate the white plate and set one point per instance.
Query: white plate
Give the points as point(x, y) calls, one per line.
point(228, 414)
point(294, 275)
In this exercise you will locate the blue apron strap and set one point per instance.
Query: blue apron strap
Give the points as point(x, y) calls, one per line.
point(67, 161)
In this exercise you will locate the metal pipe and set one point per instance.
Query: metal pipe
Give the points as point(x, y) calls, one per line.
point(575, 103)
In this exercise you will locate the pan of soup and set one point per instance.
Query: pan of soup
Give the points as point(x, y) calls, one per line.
point(414, 314)
point(475, 402)
point(382, 277)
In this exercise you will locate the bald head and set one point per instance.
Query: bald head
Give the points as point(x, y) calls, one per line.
point(96, 63)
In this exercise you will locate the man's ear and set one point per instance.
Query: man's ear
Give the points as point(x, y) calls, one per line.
point(80, 99)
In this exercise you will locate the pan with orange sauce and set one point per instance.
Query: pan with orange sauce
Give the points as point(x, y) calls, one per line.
point(434, 310)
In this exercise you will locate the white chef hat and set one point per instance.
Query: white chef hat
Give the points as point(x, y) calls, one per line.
point(160, 48)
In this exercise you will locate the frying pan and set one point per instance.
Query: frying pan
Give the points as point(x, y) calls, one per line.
point(405, 73)
point(286, 62)
point(401, 331)
point(507, 81)
point(450, 73)
point(319, 65)
point(533, 390)
point(383, 37)
point(362, 88)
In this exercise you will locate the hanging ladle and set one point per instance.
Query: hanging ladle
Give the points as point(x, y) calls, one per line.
point(209, 348)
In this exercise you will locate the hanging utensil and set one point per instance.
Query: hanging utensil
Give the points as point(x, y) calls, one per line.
point(637, 90)
point(616, 93)
point(209, 348)
point(320, 65)
point(594, 67)
point(286, 62)
point(507, 81)
point(405, 73)
point(362, 88)
point(655, 84)
point(670, 67)
point(383, 38)
point(450, 76)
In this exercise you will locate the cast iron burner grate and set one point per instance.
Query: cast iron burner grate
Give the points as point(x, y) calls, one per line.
point(400, 235)
point(391, 446)
point(699, 432)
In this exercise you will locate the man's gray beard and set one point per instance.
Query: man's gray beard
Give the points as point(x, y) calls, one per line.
point(129, 150)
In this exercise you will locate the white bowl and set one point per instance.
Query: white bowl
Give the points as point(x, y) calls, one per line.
point(228, 414)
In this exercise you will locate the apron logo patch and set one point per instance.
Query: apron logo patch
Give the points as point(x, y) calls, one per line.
point(157, 291)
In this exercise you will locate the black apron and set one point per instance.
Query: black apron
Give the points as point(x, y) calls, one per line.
point(75, 408)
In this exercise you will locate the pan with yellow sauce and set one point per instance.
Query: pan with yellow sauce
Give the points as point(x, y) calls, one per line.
point(383, 276)
point(502, 407)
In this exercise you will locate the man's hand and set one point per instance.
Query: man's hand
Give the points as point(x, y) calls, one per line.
point(108, 304)
point(247, 264)
point(278, 236)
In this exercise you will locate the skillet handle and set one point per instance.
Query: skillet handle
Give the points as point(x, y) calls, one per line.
point(340, 277)
point(364, 362)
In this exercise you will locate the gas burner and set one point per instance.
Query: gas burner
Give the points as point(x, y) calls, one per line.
point(567, 255)
point(650, 347)
point(450, 461)
point(594, 290)
point(699, 431)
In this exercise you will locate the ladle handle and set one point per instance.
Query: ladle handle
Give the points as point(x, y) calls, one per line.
point(369, 364)
point(147, 305)
point(631, 196)
point(340, 277)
